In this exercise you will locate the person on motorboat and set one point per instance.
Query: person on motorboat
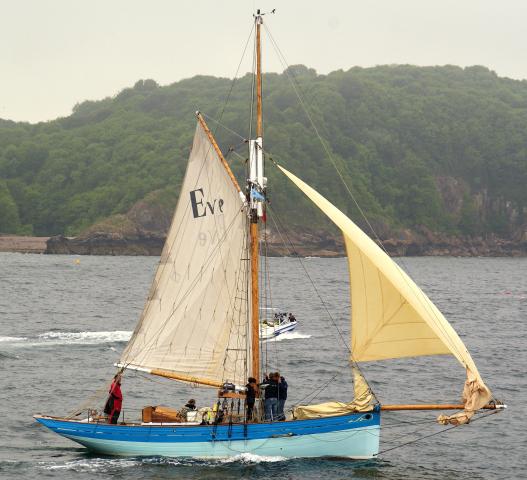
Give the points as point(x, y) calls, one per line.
point(279, 318)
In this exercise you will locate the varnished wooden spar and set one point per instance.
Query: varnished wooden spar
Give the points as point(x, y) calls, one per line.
point(255, 294)
point(255, 306)
point(259, 119)
point(435, 406)
point(212, 140)
point(185, 378)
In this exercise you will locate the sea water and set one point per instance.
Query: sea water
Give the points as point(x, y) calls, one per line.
point(64, 321)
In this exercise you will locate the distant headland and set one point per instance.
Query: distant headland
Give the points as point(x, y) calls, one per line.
point(434, 156)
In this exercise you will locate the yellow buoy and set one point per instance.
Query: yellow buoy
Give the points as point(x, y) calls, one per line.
point(77, 261)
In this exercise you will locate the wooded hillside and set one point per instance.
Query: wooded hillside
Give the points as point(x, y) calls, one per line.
point(440, 147)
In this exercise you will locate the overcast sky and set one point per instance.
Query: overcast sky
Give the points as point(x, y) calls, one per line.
point(56, 53)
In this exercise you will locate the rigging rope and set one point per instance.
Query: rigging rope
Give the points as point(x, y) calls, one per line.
point(205, 265)
point(170, 248)
point(314, 394)
point(436, 433)
point(220, 124)
point(98, 395)
point(292, 252)
point(341, 336)
point(296, 88)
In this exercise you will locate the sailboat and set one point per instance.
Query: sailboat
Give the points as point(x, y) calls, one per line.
point(200, 326)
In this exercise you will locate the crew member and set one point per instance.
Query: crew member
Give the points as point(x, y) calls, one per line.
point(250, 396)
point(115, 400)
point(270, 385)
point(282, 396)
point(189, 406)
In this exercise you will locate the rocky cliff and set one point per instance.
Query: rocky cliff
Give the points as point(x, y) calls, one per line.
point(142, 231)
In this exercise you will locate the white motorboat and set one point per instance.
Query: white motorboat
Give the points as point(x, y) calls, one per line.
point(280, 323)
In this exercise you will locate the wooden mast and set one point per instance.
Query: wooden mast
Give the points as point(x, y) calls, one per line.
point(255, 307)
point(259, 123)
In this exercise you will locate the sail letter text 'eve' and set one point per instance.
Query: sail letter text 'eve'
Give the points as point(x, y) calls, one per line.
point(200, 206)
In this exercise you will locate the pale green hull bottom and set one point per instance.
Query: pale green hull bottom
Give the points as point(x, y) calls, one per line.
point(359, 443)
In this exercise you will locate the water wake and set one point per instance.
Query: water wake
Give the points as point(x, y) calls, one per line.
point(86, 337)
point(68, 338)
point(12, 339)
point(252, 458)
point(289, 336)
point(108, 465)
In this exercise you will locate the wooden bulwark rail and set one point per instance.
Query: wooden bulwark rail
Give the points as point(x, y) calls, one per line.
point(434, 406)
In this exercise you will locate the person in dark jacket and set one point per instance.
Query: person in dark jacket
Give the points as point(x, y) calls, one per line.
point(270, 384)
point(189, 406)
point(250, 398)
point(282, 396)
point(115, 400)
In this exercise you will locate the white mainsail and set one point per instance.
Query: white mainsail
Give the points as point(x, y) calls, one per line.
point(195, 321)
point(391, 316)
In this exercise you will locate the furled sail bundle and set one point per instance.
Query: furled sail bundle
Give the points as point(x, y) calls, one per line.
point(194, 324)
point(363, 401)
point(391, 316)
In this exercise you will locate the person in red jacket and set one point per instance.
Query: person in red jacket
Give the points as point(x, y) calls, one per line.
point(115, 400)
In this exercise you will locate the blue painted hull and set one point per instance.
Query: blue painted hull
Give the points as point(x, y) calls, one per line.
point(353, 436)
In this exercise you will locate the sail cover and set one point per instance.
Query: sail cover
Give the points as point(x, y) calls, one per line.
point(391, 316)
point(194, 322)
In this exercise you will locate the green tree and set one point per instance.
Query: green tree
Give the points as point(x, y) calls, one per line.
point(9, 219)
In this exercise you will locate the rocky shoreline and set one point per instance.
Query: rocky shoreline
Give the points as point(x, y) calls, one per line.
point(19, 244)
point(107, 244)
point(305, 245)
point(142, 231)
point(318, 244)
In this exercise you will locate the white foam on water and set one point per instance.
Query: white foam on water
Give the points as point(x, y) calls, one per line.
point(93, 465)
point(107, 465)
point(288, 336)
point(85, 337)
point(252, 458)
point(13, 339)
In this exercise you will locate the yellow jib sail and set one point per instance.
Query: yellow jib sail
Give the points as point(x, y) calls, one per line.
point(391, 316)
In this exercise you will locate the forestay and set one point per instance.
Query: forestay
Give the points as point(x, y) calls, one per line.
point(194, 323)
point(391, 316)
